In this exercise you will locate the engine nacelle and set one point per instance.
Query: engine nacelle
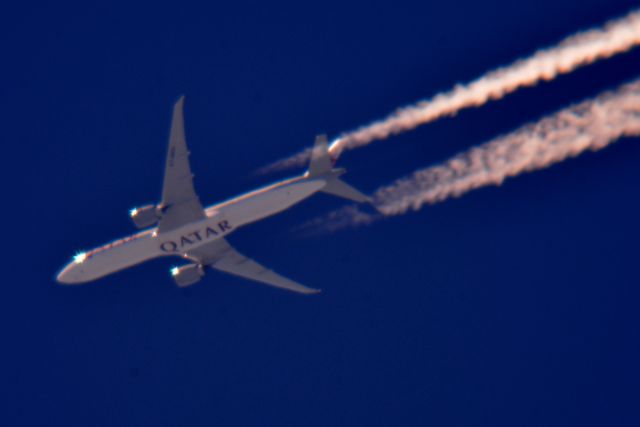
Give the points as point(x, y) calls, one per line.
point(145, 216)
point(187, 275)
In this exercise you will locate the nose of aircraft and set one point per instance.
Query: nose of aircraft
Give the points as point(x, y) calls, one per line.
point(69, 275)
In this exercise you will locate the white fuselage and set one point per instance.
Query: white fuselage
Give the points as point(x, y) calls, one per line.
point(221, 220)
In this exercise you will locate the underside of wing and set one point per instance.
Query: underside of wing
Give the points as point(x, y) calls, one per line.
point(180, 204)
point(220, 255)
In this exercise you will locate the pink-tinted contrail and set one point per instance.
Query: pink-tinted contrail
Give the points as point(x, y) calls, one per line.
point(578, 50)
point(590, 125)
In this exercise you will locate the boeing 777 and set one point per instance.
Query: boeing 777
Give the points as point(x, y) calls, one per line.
point(180, 226)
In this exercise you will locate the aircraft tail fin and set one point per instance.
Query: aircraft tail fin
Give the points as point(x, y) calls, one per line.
point(321, 165)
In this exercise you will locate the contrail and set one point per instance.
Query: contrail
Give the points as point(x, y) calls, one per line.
point(590, 125)
point(580, 49)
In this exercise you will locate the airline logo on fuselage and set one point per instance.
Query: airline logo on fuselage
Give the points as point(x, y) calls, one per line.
point(185, 241)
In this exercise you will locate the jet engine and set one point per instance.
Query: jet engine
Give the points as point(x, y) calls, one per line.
point(145, 216)
point(187, 275)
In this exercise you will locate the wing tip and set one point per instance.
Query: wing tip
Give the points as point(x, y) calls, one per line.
point(304, 290)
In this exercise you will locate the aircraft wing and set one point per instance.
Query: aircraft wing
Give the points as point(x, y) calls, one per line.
point(180, 203)
point(220, 255)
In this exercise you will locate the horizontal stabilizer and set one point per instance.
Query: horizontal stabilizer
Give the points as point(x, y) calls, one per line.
point(341, 189)
point(321, 166)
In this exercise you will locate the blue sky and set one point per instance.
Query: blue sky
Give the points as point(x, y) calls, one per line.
point(513, 305)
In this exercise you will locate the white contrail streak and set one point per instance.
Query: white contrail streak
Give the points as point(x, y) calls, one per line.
point(590, 125)
point(580, 49)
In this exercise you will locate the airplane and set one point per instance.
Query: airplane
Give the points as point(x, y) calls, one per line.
point(180, 226)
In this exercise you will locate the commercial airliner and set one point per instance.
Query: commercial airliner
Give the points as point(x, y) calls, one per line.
point(180, 226)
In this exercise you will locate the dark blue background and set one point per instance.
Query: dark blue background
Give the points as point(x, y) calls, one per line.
point(511, 306)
